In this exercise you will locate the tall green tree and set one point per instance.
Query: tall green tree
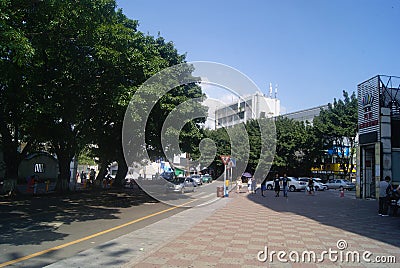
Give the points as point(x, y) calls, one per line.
point(291, 137)
point(262, 139)
point(16, 53)
point(337, 126)
point(66, 74)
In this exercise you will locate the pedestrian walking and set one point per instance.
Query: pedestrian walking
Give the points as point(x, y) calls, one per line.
point(310, 186)
point(285, 185)
point(249, 185)
point(253, 185)
point(384, 192)
point(238, 185)
point(277, 186)
point(263, 186)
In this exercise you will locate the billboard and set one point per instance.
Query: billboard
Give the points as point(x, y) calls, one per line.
point(368, 110)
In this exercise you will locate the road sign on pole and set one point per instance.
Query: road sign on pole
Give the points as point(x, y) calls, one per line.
point(225, 159)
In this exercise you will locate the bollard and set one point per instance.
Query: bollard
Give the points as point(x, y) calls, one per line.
point(341, 191)
point(35, 187)
point(220, 191)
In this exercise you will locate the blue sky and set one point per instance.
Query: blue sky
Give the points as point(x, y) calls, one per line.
point(312, 49)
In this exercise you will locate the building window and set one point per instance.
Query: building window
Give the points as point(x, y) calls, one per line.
point(39, 168)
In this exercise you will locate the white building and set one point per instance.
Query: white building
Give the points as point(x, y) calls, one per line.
point(254, 106)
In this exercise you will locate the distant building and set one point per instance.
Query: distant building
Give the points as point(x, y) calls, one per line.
point(306, 115)
point(41, 164)
point(255, 106)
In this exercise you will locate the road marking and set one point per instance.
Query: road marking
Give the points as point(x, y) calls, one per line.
point(198, 194)
point(89, 237)
point(209, 195)
point(209, 201)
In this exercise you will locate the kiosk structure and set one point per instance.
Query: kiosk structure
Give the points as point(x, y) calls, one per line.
point(378, 153)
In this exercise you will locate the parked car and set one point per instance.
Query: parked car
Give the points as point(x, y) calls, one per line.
point(294, 184)
point(318, 185)
point(323, 185)
point(197, 179)
point(181, 185)
point(336, 184)
point(169, 176)
point(206, 178)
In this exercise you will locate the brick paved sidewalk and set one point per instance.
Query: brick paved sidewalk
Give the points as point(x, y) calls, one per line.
point(236, 233)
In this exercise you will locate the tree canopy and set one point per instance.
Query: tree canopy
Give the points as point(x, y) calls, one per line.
point(68, 71)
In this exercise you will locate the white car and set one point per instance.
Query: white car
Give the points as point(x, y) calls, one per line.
point(294, 184)
point(322, 186)
point(318, 185)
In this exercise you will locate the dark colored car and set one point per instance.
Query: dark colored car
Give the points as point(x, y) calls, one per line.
point(169, 176)
point(206, 178)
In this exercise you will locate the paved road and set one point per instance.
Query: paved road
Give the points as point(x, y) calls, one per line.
point(36, 224)
point(55, 228)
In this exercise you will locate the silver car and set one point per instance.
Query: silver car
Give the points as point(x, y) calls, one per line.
point(181, 185)
point(336, 184)
point(197, 179)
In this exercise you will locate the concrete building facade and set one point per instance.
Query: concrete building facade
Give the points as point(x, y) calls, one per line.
point(254, 106)
point(306, 115)
point(378, 153)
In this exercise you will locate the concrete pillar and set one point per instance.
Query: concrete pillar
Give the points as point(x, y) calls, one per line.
point(377, 168)
point(386, 137)
point(358, 171)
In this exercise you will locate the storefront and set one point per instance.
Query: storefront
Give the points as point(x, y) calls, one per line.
point(379, 132)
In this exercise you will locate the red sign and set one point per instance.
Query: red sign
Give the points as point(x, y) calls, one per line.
point(225, 159)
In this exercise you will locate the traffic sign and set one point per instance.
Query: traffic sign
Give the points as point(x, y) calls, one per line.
point(225, 159)
point(232, 162)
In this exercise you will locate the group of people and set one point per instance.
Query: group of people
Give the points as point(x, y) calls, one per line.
point(388, 195)
point(281, 183)
point(251, 185)
point(86, 178)
point(278, 184)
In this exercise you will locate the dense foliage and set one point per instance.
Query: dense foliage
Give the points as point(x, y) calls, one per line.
point(68, 70)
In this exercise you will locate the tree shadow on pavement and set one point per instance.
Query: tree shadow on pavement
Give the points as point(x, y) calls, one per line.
point(346, 213)
point(34, 220)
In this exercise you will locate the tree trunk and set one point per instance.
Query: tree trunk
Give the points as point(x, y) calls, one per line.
point(103, 171)
point(64, 173)
point(121, 173)
point(11, 157)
